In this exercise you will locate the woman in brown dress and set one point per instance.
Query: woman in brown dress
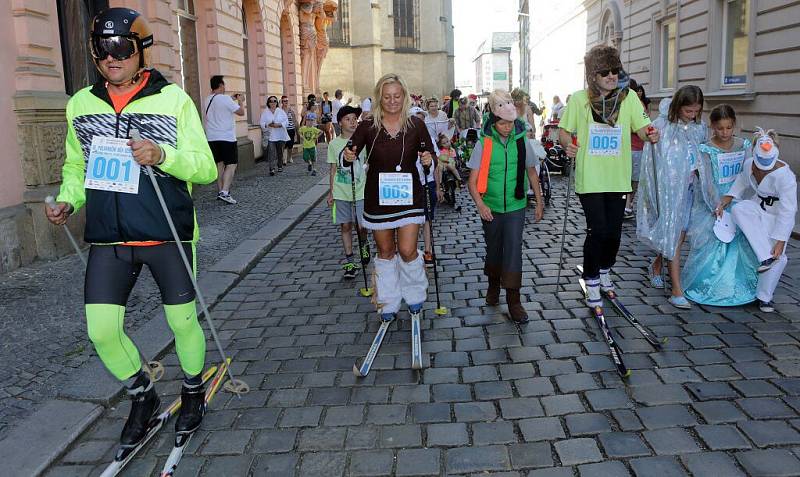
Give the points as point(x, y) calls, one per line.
point(394, 199)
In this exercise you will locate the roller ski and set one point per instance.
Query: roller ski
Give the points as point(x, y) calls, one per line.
point(591, 290)
point(607, 289)
point(416, 336)
point(362, 366)
point(195, 402)
point(144, 423)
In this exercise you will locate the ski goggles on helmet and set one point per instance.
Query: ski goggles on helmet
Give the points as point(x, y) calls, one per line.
point(118, 47)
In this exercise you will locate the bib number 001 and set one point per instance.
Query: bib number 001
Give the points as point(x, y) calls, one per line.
point(109, 169)
point(111, 166)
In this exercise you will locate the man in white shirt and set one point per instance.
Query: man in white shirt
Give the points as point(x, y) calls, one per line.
point(366, 108)
point(337, 105)
point(221, 133)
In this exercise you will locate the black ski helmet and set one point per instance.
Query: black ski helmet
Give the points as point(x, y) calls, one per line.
point(126, 23)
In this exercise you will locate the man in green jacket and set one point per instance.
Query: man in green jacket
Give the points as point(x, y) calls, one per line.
point(125, 224)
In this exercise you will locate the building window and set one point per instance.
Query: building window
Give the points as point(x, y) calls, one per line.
point(406, 25)
point(735, 42)
point(339, 31)
point(74, 18)
point(667, 54)
point(187, 49)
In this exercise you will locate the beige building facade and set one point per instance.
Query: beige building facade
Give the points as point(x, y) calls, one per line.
point(253, 43)
point(742, 52)
point(413, 38)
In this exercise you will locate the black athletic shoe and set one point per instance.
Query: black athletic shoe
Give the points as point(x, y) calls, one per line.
point(350, 270)
point(766, 306)
point(193, 408)
point(144, 406)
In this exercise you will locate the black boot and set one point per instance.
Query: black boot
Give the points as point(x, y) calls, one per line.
point(144, 406)
point(193, 408)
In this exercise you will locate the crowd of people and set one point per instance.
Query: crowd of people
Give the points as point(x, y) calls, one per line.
point(733, 199)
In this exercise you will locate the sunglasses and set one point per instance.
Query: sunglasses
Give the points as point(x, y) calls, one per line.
point(118, 47)
point(284, 101)
point(604, 73)
point(272, 101)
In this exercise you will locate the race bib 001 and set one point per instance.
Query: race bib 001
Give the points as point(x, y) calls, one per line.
point(395, 188)
point(730, 165)
point(111, 166)
point(605, 140)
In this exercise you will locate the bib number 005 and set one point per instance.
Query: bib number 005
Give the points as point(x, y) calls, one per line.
point(604, 140)
point(111, 166)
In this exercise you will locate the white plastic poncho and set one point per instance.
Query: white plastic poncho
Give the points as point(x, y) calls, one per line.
point(666, 174)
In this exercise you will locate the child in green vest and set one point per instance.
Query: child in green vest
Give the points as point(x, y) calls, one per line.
point(503, 163)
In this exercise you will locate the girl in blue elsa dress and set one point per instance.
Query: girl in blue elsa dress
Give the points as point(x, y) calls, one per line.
point(718, 273)
point(666, 184)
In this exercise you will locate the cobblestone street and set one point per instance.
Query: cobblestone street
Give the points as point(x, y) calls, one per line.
point(43, 329)
point(543, 399)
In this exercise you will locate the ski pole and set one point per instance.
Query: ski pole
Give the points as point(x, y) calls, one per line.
point(152, 367)
point(51, 202)
point(366, 291)
point(236, 386)
point(440, 310)
point(664, 261)
point(566, 214)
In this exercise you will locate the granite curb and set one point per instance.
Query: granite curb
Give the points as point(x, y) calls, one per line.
point(92, 388)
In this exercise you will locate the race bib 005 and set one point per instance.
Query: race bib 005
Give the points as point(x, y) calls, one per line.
point(395, 188)
point(730, 165)
point(605, 140)
point(111, 166)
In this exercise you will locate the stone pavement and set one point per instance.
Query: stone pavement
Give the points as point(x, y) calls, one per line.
point(721, 399)
point(43, 330)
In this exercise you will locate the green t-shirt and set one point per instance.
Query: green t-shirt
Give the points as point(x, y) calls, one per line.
point(309, 135)
point(342, 188)
point(601, 171)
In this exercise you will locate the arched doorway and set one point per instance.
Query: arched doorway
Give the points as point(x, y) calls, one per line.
point(290, 55)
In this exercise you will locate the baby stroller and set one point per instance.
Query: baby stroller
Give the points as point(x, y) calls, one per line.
point(544, 177)
point(556, 155)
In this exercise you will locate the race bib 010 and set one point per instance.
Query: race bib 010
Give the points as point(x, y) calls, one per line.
point(111, 166)
point(730, 165)
point(395, 188)
point(605, 140)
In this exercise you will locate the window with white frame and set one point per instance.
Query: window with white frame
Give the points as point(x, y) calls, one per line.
point(667, 53)
point(735, 41)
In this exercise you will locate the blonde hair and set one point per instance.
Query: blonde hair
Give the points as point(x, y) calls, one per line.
point(499, 96)
point(377, 109)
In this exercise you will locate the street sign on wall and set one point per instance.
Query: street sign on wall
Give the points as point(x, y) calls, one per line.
point(500, 76)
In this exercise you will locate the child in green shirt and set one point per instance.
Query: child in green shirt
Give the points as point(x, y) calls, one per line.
point(346, 213)
point(310, 135)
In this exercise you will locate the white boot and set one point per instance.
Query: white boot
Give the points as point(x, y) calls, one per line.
point(387, 285)
point(593, 298)
point(606, 285)
point(413, 280)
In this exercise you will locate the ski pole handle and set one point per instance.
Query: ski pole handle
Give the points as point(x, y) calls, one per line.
point(425, 168)
point(50, 201)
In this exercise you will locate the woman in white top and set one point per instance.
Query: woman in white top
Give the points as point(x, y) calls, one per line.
point(273, 124)
point(437, 122)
